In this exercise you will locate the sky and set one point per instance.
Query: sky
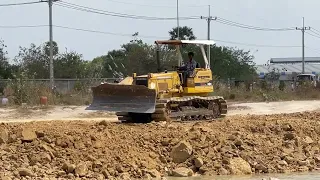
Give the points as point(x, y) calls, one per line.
point(265, 14)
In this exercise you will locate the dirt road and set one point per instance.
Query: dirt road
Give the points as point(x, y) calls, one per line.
point(79, 112)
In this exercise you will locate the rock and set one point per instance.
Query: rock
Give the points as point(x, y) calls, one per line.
point(198, 162)
point(4, 135)
point(181, 152)
point(61, 173)
point(283, 163)
point(165, 142)
point(98, 144)
point(239, 166)
point(147, 177)
point(25, 172)
point(308, 140)
point(98, 176)
point(124, 176)
point(289, 136)
point(223, 171)
point(45, 157)
point(28, 135)
point(261, 167)
point(238, 142)
point(317, 159)
point(69, 168)
point(81, 169)
point(104, 123)
point(39, 134)
point(182, 172)
point(289, 159)
point(154, 173)
point(303, 168)
point(304, 163)
point(270, 178)
point(5, 178)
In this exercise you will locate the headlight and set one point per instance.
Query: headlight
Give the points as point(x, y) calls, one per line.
point(152, 85)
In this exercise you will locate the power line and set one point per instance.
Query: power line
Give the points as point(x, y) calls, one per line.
point(240, 25)
point(27, 26)
point(130, 35)
point(255, 45)
point(22, 3)
point(121, 2)
point(312, 35)
point(115, 14)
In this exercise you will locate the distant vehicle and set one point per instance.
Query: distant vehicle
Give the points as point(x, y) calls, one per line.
point(314, 79)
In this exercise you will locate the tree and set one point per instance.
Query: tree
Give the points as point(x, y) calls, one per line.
point(69, 65)
point(34, 61)
point(46, 48)
point(185, 33)
point(5, 68)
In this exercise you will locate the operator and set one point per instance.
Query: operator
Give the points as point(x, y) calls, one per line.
point(189, 67)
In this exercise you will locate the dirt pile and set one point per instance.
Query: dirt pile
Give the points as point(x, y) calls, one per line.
point(236, 145)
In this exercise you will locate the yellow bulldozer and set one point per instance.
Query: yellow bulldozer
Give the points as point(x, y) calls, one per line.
point(165, 95)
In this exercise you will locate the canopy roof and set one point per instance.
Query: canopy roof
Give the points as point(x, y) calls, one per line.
point(179, 42)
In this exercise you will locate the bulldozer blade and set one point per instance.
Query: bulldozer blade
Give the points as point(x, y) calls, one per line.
point(123, 98)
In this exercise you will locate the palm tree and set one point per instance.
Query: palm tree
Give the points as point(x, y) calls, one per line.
point(185, 33)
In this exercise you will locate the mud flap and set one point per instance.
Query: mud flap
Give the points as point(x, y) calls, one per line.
point(123, 98)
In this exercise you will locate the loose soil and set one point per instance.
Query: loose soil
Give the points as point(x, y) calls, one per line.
point(239, 144)
point(27, 114)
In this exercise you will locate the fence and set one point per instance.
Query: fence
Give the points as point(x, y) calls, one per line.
point(67, 85)
point(64, 85)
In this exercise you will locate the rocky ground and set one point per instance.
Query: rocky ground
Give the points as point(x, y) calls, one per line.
point(103, 150)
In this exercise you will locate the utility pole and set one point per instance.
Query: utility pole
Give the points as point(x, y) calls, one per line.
point(51, 45)
point(50, 2)
point(178, 28)
point(303, 29)
point(209, 19)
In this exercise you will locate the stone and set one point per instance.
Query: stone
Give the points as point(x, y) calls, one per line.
point(124, 176)
point(181, 152)
point(289, 159)
point(198, 162)
point(5, 178)
point(4, 135)
point(238, 142)
point(283, 163)
point(261, 167)
point(223, 171)
point(25, 172)
point(239, 166)
point(182, 172)
point(154, 173)
point(303, 168)
point(289, 136)
point(28, 135)
point(81, 169)
point(69, 168)
point(308, 140)
point(304, 163)
point(103, 123)
point(39, 134)
point(270, 178)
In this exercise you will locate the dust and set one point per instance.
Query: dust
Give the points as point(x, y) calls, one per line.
point(98, 150)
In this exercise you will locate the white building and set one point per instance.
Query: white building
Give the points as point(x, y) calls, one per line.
point(289, 67)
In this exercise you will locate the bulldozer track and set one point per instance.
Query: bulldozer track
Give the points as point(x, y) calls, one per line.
point(182, 109)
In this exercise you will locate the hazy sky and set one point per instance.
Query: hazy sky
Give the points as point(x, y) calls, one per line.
point(260, 13)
